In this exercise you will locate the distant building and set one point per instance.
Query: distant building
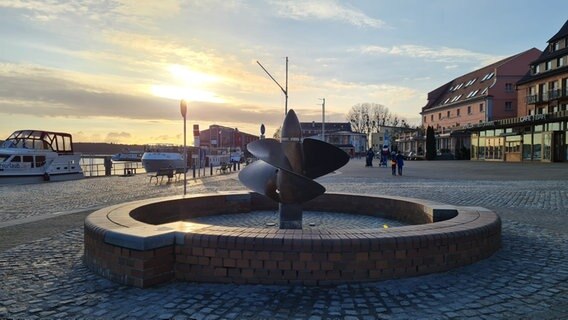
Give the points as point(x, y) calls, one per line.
point(386, 135)
point(338, 134)
point(220, 137)
point(484, 95)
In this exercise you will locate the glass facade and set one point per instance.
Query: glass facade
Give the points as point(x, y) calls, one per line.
point(524, 142)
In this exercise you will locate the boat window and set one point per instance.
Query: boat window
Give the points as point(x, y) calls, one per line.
point(39, 161)
point(16, 159)
point(4, 157)
point(30, 160)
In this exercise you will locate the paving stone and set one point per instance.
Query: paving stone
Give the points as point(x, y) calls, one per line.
point(526, 278)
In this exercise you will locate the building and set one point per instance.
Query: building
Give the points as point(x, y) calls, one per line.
point(220, 137)
point(540, 132)
point(387, 135)
point(338, 134)
point(481, 96)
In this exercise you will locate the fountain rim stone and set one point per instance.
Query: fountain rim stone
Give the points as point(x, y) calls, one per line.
point(146, 242)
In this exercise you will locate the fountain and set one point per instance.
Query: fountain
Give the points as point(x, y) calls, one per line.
point(286, 169)
point(148, 242)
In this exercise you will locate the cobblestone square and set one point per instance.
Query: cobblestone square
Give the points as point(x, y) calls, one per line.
point(43, 276)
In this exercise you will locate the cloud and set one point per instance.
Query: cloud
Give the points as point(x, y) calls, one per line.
point(443, 54)
point(117, 137)
point(37, 91)
point(325, 10)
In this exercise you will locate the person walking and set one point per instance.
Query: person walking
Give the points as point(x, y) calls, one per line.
point(393, 165)
point(399, 162)
point(370, 156)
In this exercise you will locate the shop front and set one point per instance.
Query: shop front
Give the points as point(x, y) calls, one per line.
point(542, 138)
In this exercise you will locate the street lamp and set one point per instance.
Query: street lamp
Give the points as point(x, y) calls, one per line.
point(183, 109)
point(285, 91)
point(323, 120)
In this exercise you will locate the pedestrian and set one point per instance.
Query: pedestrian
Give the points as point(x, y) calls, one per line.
point(370, 156)
point(393, 165)
point(399, 162)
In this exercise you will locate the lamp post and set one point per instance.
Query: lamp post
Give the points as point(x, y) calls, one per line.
point(183, 109)
point(323, 120)
point(285, 91)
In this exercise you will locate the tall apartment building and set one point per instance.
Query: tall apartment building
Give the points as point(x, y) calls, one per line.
point(484, 95)
point(540, 130)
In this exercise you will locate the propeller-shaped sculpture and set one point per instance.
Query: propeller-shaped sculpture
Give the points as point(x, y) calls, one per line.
point(286, 169)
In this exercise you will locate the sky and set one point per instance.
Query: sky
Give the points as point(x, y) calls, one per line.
point(116, 70)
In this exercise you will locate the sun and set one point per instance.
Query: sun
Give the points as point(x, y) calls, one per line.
point(188, 84)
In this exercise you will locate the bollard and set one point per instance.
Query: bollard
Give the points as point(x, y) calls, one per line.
point(211, 169)
point(234, 166)
point(194, 171)
point(239, 166)
point(108, 166)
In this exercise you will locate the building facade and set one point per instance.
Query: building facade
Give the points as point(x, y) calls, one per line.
point(220, 137)
point(481, 96)
point(338, 134)
point(540, 132)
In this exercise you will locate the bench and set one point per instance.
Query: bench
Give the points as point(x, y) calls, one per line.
point(161, 173)
point(179, 172)
point(224, 168)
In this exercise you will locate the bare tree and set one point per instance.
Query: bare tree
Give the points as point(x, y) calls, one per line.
point(368, 117)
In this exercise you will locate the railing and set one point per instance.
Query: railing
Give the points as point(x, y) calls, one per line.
point(94, 166)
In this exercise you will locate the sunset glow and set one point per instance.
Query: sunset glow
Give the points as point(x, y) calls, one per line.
point(115, 70)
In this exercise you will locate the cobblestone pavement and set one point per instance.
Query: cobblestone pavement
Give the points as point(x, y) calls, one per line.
point(526, 279)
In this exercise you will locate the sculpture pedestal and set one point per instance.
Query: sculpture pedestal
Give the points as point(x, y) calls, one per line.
point(290, 215)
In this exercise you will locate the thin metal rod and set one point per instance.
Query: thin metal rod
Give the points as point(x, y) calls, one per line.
point(285, 91)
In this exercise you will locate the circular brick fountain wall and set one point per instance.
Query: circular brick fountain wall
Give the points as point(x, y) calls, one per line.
point(147, 242)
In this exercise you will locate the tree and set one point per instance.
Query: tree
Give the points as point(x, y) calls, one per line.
point(430, 144)
point(276, 134)
point(368, 117)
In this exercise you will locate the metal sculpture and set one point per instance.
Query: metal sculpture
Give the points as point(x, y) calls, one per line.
point(286, 169)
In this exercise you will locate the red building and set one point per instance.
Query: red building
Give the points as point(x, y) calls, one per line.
point(225, 138)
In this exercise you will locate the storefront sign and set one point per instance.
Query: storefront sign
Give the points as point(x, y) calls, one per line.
point(533, 117)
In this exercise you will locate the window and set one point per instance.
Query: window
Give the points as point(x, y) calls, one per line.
point(468, 109)
point(39, 161)
point(559, 62)
point(537, 68)
point(508, 87)
point(439, 115)
point(432, 117)
point(485, 91)
point(449, 114)
point(458, 112)
point(548, 65)
point(424, 119)
point(508, 106)
point(481, 107)
point(16, 159)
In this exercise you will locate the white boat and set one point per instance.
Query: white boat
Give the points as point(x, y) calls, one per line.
point(162, 156)
point(29, 156)
point(128, 156)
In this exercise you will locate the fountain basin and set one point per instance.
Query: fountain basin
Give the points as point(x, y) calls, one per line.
point(144, 243)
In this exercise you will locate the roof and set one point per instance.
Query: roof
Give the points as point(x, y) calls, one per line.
point(547, 55)
point(562, 33)
point(470, 86)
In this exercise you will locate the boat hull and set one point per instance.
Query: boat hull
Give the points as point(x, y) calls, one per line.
point(39, 178)
point(152, 162)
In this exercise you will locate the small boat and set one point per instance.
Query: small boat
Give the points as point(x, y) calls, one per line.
point(162, 156)
point(128, 156)
point(31, 156)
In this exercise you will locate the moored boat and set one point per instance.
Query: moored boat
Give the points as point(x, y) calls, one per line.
point(162, 156)
point(128, 156)
point(31, 156)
